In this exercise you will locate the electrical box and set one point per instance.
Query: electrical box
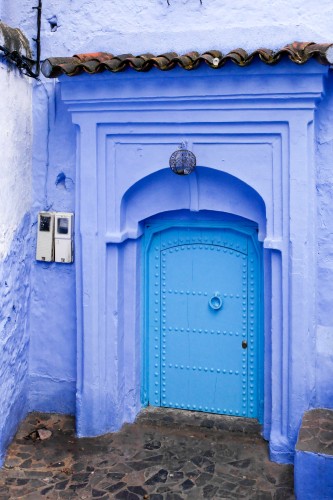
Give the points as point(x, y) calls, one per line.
point(45, 245)
point(63, 237)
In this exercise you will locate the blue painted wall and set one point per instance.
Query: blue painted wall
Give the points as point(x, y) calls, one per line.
point(52, 361)
point(52, 322)
point(54, 150)
point(323, 390)
point(313, 476)
point(14, 338)
point(92, 25)
point(16, 254)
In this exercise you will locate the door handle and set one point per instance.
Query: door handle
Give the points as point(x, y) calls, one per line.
point(216, 301)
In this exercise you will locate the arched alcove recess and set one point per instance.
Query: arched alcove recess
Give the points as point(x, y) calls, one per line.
point(252, 129)
point(204, 190)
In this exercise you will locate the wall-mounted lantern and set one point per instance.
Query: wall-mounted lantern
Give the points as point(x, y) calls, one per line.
point(182, 161)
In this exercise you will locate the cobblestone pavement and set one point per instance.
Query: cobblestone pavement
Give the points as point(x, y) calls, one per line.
point(165, 455)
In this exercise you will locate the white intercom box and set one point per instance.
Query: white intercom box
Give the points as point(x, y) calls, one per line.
point(63, 237)
point(45, 241)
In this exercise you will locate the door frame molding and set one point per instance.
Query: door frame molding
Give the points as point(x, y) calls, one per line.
point(250, 229)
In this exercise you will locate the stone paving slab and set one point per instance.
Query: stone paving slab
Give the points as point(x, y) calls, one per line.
point(316, 432)
point(164, 455)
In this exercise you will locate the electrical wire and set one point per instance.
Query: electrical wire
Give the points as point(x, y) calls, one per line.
point(23, 63)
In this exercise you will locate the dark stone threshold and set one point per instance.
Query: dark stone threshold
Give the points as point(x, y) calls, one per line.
point(170, 417)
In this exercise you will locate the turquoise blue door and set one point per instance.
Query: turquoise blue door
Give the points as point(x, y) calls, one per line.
point(203, 319)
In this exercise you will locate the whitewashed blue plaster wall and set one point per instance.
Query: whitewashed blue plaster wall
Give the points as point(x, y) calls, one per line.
point(52, 310)
point(15, 248)
point(323, 392)
point(93, 26)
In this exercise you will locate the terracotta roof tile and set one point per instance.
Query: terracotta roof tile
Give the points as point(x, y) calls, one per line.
point(297, 52)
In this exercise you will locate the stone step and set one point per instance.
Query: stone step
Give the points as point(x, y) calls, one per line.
point(171, 417)
point(314, 456)
point(316, 432)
